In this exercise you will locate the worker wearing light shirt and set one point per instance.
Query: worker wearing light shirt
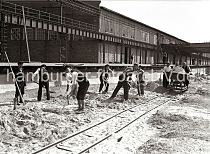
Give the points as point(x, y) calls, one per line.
point(74, 86)
point(68, 76)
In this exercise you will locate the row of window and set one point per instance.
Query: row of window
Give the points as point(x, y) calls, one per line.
point(120, 28)
point(127, 31)
point(33, 34)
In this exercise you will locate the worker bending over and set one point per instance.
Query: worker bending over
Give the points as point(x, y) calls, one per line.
point(125, 82)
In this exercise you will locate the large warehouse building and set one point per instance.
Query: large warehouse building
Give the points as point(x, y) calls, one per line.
point(70, 31)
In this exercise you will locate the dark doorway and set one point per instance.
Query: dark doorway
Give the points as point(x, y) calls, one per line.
point(174, 59)
point(127, 59)
point(126, 55)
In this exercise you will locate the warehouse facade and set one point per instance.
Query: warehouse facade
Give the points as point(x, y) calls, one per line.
point(116, 24)
point(83, 32)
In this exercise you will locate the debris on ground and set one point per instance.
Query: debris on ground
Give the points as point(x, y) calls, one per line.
point(151, 86)
point(154, 146)
point(38, 124)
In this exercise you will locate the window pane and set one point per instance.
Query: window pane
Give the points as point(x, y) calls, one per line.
point(53, 35)
point(40, 34)
point(15, 34)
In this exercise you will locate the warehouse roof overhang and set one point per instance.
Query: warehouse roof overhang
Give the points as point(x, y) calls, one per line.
point(194, 49)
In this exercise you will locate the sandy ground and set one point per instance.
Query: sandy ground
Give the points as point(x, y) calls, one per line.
point(179, 127)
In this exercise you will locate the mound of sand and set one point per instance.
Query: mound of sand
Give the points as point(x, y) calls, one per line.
point(151, 86)
point(202, 91)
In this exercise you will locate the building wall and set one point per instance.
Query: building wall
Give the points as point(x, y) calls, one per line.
point(118, 25)
point(115, 24)
point(84, 51)
point(74, 10)
point(50, 46)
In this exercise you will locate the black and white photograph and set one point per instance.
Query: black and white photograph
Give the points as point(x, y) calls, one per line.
point(105, 76)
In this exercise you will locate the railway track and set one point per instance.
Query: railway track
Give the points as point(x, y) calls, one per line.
point(93, 135)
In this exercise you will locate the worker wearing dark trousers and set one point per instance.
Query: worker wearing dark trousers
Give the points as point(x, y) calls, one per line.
point(103, 82)
point(187, 71)
point(140, 81)
point(82, 90)
point(43, 81)
point(20, 79)
point(126, 88)
point(104, 79)
point(41, 85)
point(166, 75)
point(124, 81)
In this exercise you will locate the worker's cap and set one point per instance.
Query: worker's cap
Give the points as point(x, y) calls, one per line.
point(107, 65)
point(128, 69)
point(43, 65)
point(20, 63)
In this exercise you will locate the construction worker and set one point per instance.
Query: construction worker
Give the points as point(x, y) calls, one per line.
point(82, 90)
point(166, 75)
point(124, 81)
point(43, 77)
point(68, 76)
point(74, 86)
point(187, 71)
point(104, 77)
point(134, 75)
point(140, 81)
point(20, 81)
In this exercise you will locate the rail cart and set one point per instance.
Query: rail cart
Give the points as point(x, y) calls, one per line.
point(178, 81)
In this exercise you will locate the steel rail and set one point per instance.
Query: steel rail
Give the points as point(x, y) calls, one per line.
point(84, 130)
point(108, 136)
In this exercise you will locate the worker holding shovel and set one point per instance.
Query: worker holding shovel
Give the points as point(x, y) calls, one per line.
point(20, 79)
point(43, 81)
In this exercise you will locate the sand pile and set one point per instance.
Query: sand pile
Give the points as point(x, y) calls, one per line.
point(151, 86)
point(202, 91)
point(30, 127)
point(154, 146)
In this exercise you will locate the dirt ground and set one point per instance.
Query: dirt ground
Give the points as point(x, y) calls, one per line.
point(181, 127)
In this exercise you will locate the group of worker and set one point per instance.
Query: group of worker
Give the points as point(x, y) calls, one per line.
point(167, 70)
point(78, 84)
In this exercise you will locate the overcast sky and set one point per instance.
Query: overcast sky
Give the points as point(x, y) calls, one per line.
point(186, 19)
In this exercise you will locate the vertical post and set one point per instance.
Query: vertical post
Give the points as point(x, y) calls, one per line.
point(104, 52)
point(61, 12)
point(26, 36)
point(1, 4)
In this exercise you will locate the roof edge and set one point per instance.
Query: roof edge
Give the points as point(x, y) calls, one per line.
point(102, 7)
